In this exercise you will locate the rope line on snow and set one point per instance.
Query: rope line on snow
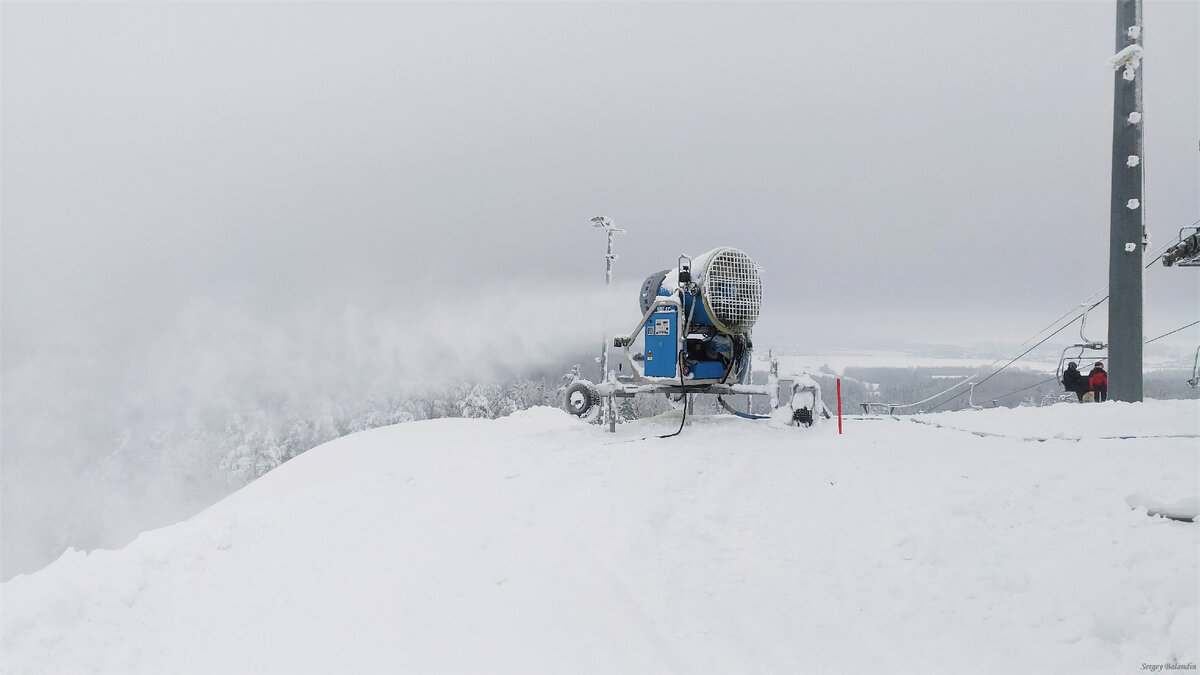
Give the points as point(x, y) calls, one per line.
point(1039, 439)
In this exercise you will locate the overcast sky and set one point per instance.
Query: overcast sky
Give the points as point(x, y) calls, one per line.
point(937, 161)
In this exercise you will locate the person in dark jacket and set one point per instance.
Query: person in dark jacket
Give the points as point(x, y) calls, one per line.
point(1098, 379)
point(1073, 380)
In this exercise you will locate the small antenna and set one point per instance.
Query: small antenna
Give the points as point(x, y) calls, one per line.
point(609, 257)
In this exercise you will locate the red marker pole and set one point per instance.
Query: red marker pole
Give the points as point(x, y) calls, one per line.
point(839, 392)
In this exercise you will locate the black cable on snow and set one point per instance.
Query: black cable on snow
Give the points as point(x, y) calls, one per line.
point(680, 357)
point(682, 420)
point(680, 360)
point(743, 415)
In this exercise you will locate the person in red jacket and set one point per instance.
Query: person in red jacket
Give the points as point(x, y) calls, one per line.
point(1098, 379)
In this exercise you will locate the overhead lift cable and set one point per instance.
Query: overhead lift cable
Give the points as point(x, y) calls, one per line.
point(1160, 253)
point(969, 380)
point(1053, 379)
point(985, 368)
point(1173, 332)
point(1038, 384)
point(1015, 359)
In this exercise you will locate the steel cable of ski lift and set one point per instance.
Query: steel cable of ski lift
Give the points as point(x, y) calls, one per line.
point(997, 398)
point(1053, 378)
point(1161, 252)
point(1017, 358)
point(1172, 332)
point(970, 377)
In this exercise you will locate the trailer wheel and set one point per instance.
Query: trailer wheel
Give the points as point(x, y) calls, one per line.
point(582, 400)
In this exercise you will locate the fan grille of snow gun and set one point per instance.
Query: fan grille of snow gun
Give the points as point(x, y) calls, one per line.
point(731, 286)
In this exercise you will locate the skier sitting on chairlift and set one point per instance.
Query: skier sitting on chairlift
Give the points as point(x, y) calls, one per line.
point(1098, 379)
point(1074, 381)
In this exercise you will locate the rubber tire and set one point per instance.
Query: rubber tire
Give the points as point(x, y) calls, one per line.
point(581, 399)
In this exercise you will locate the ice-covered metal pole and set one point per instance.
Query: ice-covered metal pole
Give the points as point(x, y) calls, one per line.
point(609, 257)
point(1127, 223)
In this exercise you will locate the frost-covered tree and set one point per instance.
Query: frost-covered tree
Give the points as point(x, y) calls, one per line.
point(480, 402)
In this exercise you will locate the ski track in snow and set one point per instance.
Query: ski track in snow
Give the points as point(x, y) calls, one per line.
point(537, 544)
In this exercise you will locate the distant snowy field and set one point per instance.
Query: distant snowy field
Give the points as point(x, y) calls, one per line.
point(792, 361)
point(994, 541)
point(796, 361)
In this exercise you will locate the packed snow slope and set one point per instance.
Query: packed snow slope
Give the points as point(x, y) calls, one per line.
point(993, 541)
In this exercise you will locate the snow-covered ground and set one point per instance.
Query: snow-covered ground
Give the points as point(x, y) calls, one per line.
point(992, 541)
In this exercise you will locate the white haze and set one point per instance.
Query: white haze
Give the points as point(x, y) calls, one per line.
point(98, 449)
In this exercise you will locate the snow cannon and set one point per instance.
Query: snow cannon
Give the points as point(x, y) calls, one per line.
point(698, 318)
point(694, 337)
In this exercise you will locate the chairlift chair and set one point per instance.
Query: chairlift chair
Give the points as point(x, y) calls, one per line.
point(1195, 381)
point(1080, 356)
point(1051, 399)
point(1076, 352)
point(1186, 253)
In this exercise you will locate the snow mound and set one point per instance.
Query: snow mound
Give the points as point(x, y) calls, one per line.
point(1183, 508)
point(538, 544)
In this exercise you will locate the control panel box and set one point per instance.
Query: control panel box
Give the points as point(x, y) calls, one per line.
point(662, 342)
